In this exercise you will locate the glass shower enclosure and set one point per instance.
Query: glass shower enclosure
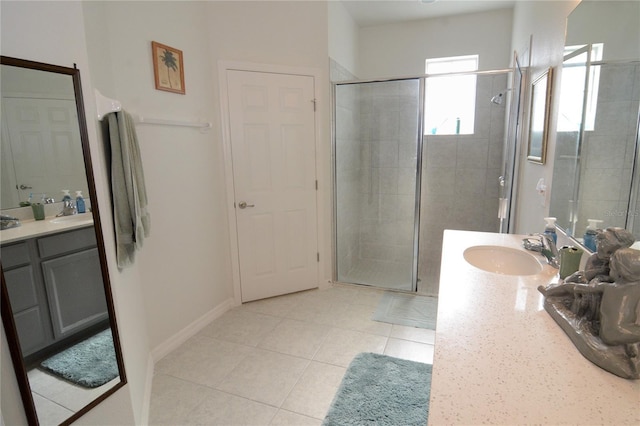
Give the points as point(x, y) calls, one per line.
point(399, 183)
point(377, 164)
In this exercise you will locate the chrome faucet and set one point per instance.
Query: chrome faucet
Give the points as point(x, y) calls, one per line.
point(68, 209)
point(545, 246)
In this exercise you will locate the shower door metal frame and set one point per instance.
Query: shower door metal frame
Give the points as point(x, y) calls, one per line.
point(417, 195)
point(511, 149)
point(422, 79)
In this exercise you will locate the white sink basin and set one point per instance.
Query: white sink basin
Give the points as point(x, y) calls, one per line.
point(86, 217)
point(502, 260)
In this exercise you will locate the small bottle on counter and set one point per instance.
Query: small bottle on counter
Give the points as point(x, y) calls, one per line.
point(590, 234)
point(550, 229)
point(80, 205)
point(65, 195)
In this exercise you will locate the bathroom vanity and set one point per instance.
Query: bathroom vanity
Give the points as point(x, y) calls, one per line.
point(53, 276)
point(501, 359)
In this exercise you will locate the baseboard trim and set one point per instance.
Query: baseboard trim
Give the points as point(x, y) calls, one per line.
point(189, 331)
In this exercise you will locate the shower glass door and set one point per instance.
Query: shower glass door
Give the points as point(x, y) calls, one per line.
point(377, 152)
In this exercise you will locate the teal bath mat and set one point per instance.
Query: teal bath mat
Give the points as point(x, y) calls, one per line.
point(407, 309)
point(383, 391)
point(90, 363)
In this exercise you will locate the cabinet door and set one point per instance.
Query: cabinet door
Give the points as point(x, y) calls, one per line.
point(75, 292)
point(31, 321)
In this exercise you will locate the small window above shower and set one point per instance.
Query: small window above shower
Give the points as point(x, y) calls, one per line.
point(450, 98)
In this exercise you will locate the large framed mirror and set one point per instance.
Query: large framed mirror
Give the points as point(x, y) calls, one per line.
point(57, 307)
point(596, 172)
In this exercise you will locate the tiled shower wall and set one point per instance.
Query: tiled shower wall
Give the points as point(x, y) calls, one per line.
point(609, 149)
point(564, 177)
point(348, 172)
point(607, 155)
point(460, 180)
point(389, 131)
point(348, 169)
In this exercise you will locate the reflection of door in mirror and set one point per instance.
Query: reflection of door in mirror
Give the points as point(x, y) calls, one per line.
point(58, 311)
point(41, 141)
point(44, 141)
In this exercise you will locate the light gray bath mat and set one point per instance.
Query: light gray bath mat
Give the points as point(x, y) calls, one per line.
point(90, 363)
point(380, 390)
point(407, 309)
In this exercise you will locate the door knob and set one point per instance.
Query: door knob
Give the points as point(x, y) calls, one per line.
point(23, 187)
point(244, 205)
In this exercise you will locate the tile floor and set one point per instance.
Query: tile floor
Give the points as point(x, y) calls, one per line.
point(56, 400)
point(277, 361)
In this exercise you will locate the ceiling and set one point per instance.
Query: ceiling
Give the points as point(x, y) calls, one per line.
point(377, 12)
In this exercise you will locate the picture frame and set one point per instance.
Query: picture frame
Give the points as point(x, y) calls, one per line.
point(539, 117)
point(168, 68)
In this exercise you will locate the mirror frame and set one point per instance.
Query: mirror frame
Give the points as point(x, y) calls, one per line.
point(7, 316)
point(540, 114)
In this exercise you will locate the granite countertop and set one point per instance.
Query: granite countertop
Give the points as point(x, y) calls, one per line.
point(501, 359)
point(37, 228)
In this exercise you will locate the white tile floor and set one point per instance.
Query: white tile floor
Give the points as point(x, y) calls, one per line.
point(56, 400)
point(277, 361)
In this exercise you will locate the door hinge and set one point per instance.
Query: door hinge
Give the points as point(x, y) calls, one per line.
point(314, 100)
point(318, 256)
point(316, 184)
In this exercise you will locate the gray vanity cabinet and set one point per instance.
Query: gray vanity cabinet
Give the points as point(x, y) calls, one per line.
point(73, 281)
point(55, 286)
point(28, 299)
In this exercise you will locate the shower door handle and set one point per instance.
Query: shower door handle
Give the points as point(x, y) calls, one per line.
point(244, 205)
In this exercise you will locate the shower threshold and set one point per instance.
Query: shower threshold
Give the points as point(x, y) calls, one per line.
point(382, 274)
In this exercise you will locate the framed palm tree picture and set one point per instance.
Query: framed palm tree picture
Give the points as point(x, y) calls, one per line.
point(168, 68)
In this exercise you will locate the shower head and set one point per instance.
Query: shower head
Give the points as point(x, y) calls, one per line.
point(497, 99)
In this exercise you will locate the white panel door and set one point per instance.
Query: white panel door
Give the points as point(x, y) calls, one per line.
point(272, 123)
point(44, 140)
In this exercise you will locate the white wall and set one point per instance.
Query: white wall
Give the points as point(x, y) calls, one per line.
point(184, 267)
point(401, 49)
point(343, 37)
point(545, 21)
point(53, 32)
point(286, 33)
point(616, 28)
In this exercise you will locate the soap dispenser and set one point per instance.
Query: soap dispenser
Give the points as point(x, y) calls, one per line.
point(590, 234)
point(80, 202)
point(65, 195)
point(550, 229)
